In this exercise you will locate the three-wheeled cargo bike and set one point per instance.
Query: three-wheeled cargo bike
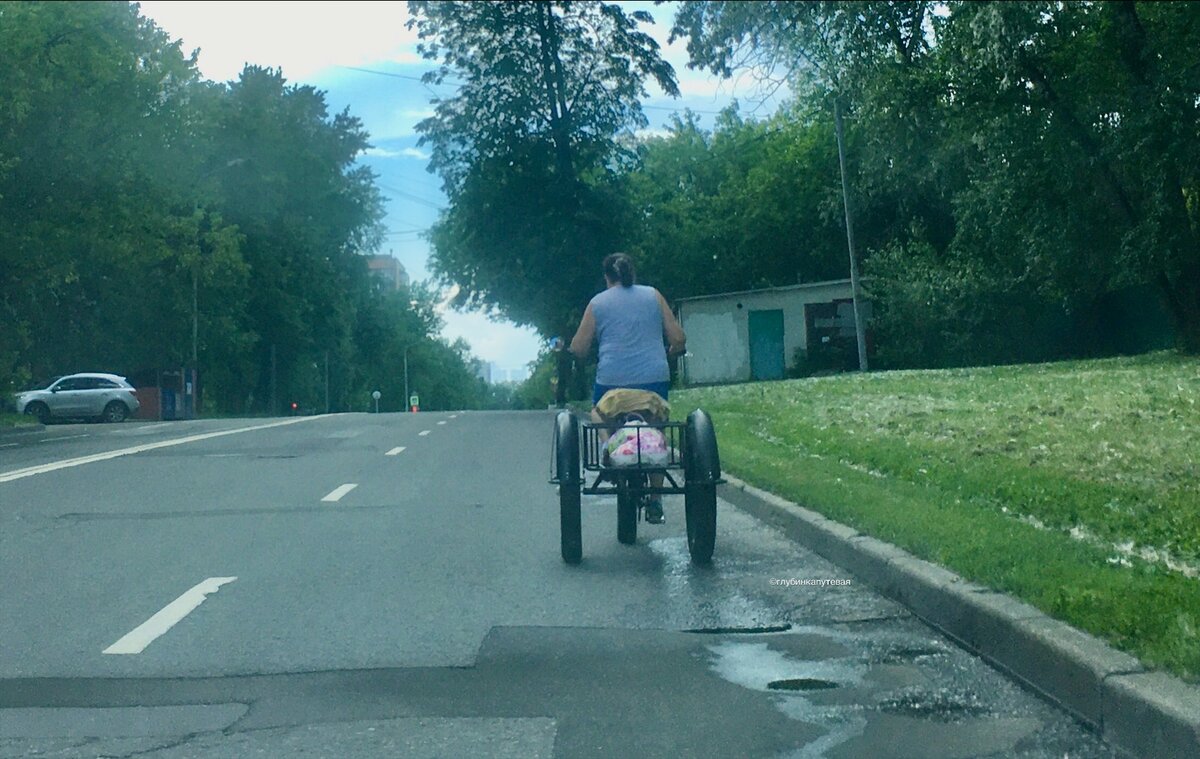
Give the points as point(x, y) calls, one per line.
point(691, 467)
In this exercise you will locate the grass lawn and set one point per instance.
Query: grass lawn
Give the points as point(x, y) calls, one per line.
point(1075, 486)
point(15, 420)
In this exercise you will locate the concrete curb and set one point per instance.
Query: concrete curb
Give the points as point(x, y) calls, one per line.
point(1147, 713)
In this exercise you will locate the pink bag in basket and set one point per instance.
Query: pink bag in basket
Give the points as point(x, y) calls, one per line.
point(636, 443)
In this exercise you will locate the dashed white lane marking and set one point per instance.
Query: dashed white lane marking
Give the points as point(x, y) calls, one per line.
point(423, 433)
point(66, 437)
point(454, 416)
point(170, 615)
point(17, 474)
point(9, 445)
point(442, 422)
point(395, 451)
point(340, 491)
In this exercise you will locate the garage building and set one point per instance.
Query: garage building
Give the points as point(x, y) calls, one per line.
point(755, 334)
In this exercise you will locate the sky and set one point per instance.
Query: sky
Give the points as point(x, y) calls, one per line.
point(362, 56)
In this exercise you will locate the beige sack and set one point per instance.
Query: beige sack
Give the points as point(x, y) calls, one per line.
point(650, 405)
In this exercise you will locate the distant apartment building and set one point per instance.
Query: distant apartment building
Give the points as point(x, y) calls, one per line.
point(508, 375)
point(388, 271)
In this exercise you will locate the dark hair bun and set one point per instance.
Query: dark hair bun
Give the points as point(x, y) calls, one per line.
point(619, 268)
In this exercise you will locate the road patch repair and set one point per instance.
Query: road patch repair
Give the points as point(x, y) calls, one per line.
point(584, 692)
point(1148, 713)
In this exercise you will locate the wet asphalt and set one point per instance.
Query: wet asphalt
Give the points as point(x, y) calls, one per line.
point(426, 612)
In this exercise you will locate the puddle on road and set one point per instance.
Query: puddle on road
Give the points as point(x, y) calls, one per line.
point(944, 705)
point(759, 630)
point(795, 684)
point(904, 655)
point(756, 666)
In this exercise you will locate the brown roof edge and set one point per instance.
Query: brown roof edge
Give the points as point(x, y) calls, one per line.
point(784, 288)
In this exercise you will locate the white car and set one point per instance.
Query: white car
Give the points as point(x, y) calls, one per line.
point(92, 395)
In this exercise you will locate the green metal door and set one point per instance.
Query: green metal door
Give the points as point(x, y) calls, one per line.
point(766, 345)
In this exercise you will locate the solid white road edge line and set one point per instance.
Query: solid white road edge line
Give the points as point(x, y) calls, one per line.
point(17, 474)
point(423, 433)
point(68, 437)
point(395, 451)
point(170, 615)
point(340, 491)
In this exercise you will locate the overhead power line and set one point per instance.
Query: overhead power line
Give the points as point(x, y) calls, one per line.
point(409, 196)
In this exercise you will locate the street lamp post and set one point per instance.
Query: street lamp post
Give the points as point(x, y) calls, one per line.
point(406, 395)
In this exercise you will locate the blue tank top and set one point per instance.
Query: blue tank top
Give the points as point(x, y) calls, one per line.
point(629, 327)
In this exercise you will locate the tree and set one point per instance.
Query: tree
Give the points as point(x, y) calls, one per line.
point(1087, 117)
point(749, 204)
point(95, 115)
point(285, 174)
point(150, 219)
point(528, 146)
point(1039, 156)
point(823, 47)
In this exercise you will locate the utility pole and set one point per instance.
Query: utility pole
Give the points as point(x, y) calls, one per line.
point(860, 328)
point(326, 382)
point(406, 395)
point(274, 399)
point(195, 343)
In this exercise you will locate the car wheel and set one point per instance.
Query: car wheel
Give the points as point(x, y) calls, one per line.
point(39, 410)
point(115, 411)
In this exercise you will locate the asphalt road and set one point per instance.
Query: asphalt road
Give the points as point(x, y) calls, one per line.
point(304, 587)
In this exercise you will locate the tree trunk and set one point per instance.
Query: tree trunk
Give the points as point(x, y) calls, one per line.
point(552, 75)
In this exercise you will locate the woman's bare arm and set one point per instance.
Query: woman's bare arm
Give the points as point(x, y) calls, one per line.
point(581, 344)
point(675, 336)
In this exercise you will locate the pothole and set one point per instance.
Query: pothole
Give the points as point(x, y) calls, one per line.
point(801, 684)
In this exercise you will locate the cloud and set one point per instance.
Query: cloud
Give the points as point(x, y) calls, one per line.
point(654, 132)
point(300, 38)
point(505, 343)
point(402, 153)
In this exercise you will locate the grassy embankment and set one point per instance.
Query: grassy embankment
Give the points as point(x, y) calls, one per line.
point(15, 420)
point(1074, 486)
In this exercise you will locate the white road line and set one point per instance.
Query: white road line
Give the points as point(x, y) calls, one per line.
point(17, 474)
point(340, 491)
point(395, 451)
point(68, 437)
point(170, 615)
point(442, 422)
point(454, 416)
point(9, 445)
point(423, 433)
